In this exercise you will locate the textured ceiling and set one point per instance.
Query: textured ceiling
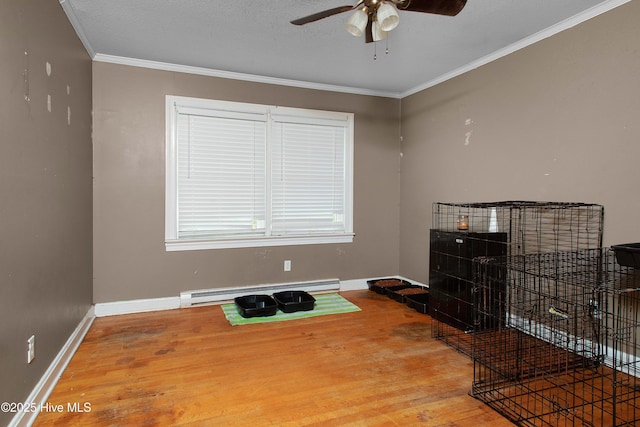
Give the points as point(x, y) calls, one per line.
point(255, 39)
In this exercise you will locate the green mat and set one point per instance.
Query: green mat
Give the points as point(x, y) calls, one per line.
point(325, 304)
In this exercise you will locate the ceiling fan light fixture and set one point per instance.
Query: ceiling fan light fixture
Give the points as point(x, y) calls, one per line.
point(377, 32)
point(357, 22)
point(387, 16)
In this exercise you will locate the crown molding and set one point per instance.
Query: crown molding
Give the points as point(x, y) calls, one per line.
point(133, 62)
point(75, 23)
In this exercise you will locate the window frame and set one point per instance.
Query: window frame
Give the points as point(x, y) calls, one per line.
point(173, 243)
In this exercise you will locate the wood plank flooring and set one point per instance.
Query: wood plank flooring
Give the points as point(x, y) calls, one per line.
point(375, 367)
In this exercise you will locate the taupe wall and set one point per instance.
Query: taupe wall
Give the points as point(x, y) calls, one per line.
point(45, 189)
point(558, 121)
point(130, 260)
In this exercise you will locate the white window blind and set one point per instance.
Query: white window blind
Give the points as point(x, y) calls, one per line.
point(307, 178)
point(243, 175)
point(221, 176)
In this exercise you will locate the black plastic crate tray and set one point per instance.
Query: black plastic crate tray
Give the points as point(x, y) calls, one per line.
point(256, 305)
point(419, 302)
point(375, 285)
point(291, 301)
point(394, 293)
point(628, 254)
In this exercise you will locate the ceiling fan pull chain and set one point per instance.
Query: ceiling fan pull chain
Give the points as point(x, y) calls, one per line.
point(375, 50)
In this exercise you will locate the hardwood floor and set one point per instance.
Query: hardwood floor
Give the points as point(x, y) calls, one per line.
point(189, 367)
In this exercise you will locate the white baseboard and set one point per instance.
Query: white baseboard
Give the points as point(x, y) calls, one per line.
point(171, 303)
point(43, 389)
point(136, 306)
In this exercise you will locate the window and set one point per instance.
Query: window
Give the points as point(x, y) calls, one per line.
point(245, 175)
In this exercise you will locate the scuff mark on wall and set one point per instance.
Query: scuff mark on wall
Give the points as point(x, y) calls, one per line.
point(467, 135)
point(68, 107)
point(47, 68)
point(25, 75)
point(264, 253)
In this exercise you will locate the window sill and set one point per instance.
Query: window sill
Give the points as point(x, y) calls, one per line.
point(195, 245)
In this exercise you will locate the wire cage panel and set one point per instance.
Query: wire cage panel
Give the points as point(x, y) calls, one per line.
point(575, 398)
point(621, 320)
point(547, 318)
point(564, 349)
point(554, 297)
point(531, 226)
point(520, 227)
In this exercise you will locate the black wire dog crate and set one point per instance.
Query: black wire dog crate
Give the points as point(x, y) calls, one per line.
point(561, 349)
point(621, 317)
point(464, 231)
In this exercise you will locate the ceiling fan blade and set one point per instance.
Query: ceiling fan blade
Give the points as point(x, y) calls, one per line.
point(321, 15)
point(439, 7)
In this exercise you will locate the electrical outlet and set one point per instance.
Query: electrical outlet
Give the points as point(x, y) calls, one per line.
point(31, 348)
point(287, 265)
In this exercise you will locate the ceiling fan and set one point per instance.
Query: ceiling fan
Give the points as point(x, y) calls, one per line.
point(375, 18)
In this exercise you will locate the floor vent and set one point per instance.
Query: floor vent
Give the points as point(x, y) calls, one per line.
point(217, 295)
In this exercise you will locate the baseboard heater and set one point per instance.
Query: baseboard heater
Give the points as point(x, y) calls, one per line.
point(218, 295)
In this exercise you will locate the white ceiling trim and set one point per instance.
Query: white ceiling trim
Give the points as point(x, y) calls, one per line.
point(541, 35)
point(239, 76)
point(75, 23)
